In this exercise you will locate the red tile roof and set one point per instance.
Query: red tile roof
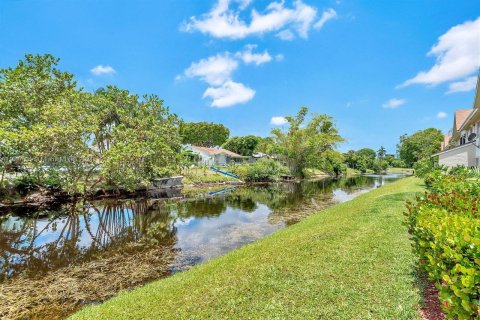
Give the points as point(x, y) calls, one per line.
point(460, 117)
point(217, 151)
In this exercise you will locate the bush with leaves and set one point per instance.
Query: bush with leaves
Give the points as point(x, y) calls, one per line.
point(445, 228)
point(261, 170)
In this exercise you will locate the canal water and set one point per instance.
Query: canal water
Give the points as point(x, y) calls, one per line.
point(90, 251)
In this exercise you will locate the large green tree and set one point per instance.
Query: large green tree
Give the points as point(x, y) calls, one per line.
point(204, 134)
point(136, 138)
point(304, 143)
point(242, 145)
point(421, 144)
point(79, 139)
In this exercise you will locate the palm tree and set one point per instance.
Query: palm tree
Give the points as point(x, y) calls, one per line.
point(381, 153)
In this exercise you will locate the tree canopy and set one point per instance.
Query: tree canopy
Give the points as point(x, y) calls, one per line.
point(304, 143)
point(204, 134)
point(77, 139)
point(242, 145)
point(421, 144)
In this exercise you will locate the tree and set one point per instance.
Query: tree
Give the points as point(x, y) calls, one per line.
point(303, 144)
point(350, 159)
point(244, 146)
point(204, 134)
point(381, 153)
point(334, 163)
point(138, 139)
point(265, 145)
point(379, 166)
point(419, 145)
point(77, 139)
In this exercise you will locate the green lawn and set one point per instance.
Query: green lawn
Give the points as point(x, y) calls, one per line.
point(351, 261)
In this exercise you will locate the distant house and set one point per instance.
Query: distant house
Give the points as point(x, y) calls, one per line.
point(257, 156)
point(461, 145)
point(215, 156)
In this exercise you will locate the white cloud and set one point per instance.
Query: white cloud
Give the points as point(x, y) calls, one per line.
point(229, 94)
point(248, 56)
point(101, 69)
point(286, 35)
point(328, 14)
point(457, 55)
point(462, 86)
point(394, 103)
point(224, 20)
point(242, 4)
point(442, 115)
point(214, 70)
point(278, 121)
point(217, 72)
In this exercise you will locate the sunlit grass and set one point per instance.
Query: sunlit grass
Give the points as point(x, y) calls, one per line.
point(204, 175)
point(351, 261)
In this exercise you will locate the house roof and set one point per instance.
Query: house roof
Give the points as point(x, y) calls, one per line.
point(213, 151)
point(460, 117)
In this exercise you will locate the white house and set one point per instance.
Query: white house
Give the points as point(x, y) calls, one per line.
point(462, 145)
point(215, 156)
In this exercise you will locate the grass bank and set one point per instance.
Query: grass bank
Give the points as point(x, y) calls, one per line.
point(351, 261)
point(204, 175)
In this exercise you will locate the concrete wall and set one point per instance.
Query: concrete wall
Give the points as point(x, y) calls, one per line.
point(463, 156)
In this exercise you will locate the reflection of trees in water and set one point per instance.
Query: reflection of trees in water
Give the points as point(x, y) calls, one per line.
point(81, 232)
point(77, 234)
point(199, 208)
point(292, 201)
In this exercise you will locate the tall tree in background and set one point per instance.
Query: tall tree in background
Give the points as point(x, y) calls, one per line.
point(244, 146)
point(419, 145)
point(304, 144)
point(204, 134)
point(381, 153)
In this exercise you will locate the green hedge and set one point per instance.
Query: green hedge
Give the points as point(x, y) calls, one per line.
point(445, 227)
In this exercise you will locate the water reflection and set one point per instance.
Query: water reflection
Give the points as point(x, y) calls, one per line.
point(52, 264)
point(202, 227)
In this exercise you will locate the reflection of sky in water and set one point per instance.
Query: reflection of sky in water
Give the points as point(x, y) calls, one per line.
point(206, 237)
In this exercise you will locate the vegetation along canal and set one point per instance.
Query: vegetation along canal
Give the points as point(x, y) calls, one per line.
point(54, 263)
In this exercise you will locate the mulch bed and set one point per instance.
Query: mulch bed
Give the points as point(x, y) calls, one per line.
point(431, 308)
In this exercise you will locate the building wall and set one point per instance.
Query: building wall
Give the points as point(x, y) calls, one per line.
point(463, 156)
point(220, 159)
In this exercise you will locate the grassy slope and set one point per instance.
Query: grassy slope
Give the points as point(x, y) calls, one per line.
point(351, 261)
point(199, 175)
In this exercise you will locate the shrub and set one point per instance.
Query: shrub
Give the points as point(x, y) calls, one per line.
point(423, 166)
point(261, 170)
point(379, 166)
point(445, 228)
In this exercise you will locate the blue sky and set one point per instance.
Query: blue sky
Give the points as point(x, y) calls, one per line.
point(380, 68)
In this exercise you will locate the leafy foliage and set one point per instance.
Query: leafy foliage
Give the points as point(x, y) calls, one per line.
point(78, 139)
point(445, 228)
point(334, 163)
point(244, 146)
point(204, 134)
point(421, 144)
point(261, 170)
point(365, 159)
point(303, 144)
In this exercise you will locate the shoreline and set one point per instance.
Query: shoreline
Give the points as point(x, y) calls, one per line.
point(297, 268)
